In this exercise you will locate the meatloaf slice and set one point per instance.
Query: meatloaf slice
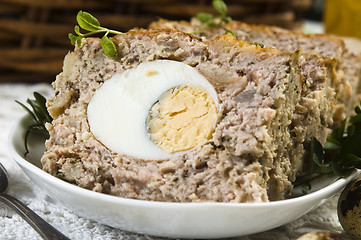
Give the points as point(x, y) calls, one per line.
point(352, 67)
point(253, 155)
point(348, 74)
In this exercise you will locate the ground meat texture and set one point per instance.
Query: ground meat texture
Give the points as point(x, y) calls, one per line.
point(257, 148)
point(347, 73)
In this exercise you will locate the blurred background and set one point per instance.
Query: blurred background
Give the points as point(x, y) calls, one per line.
point(34, 33)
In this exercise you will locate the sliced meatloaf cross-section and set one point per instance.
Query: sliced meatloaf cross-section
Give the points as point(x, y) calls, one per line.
point(255, 152)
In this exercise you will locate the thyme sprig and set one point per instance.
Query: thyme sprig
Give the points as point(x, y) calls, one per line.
point(257, 44)
point(39, 117)
point(213, 21)
point(341, 153)
point(89, 23)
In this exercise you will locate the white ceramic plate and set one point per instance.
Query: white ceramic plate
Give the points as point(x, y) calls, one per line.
point(176, 220)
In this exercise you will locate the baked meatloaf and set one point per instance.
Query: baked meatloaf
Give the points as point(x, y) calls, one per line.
point(348, 67)
point(267, 109)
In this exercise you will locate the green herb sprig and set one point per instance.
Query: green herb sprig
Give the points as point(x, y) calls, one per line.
point(257, 44)
point(213, 21)
point(341, 153)
point(89, 23)
point(39, 117)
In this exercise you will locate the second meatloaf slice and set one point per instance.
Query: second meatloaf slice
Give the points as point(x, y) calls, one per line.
point(347, 72)
point(253, 155)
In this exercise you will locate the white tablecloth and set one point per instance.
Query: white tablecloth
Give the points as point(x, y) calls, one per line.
point(76, 227)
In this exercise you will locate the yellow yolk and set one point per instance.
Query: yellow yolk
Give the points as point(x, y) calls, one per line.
point(183, 118)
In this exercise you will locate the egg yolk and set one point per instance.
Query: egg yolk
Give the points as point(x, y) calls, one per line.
point(183, 118)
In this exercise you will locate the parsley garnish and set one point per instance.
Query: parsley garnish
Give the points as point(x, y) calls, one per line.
point(39, 117)
point(257, 44)
point(89, 23)
point(341, 153)
point(212, 21)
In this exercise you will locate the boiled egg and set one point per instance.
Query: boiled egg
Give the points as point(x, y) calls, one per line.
point(154, 111)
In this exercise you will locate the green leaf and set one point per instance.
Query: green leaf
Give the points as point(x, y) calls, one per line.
point(227, 19)
point(351, 145)
point(339, 132)
point(353, 160)
point(211, 21)
point(314, 168)
point(33, 104)
point(329, 145)
point(72, 38)
point(326, 169)
point(351, 130)
point(357, 110)
point(87, 22)
point(38, 129)
point(220, 7)
point(41, 100)
point(40, 116)
point(340, 170)
point(75, 39)
point(27, 110)
point(37, 110)
point(306, 187)
point(77, 30)
point(257, 44)
point(108, 46)
point(355, 121)
point(317, 150)
point(230, 32)
point(204, 17)
point(332, 143)
point(213, 24)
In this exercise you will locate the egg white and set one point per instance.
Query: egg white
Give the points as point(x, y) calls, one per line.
point(118, 110)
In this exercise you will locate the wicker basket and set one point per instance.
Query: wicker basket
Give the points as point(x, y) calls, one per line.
point(33, 33)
